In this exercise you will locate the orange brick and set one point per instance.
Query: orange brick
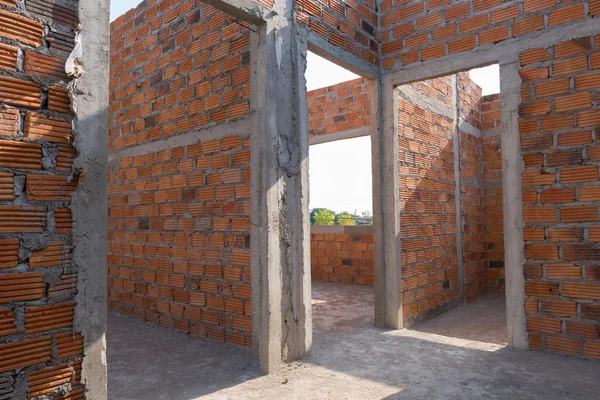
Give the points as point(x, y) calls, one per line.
point(587, 173)
point(549, 325)
point(21, 29)
point(562, 345)
point(566, 14)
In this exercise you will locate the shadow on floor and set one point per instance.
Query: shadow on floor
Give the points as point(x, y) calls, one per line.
point(147, 362)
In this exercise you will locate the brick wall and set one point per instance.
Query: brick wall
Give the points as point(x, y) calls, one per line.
point(339, 107)
point(179, 217)
point(351, 25)
point(472, 191)
point(427, 209)
point(491, 128)
point(413, 31)
point(559, 120)
point(39, 347)
point(342, 254)
point(175, 66)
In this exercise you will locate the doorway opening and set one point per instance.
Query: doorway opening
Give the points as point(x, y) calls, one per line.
point(450, 181)
point(341, 205)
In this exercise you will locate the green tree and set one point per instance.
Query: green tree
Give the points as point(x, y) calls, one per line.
point(345, 219)
point(322, 216)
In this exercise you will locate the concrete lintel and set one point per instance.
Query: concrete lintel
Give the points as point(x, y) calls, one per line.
point(323, 48)
point(89, 96)
point(512, 168)
point(425, 102)
point(186, 139)
point(340, 230)
point(245, 10)
point(342, 135)
point(280, 229)
point(505, 51)
point(386, 213)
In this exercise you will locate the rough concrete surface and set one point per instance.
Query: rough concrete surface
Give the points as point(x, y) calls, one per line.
point(354, 362)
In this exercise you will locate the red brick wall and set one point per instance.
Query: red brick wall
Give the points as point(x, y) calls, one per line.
point(351, 25)
point(39, 347)
point(427, 210)
point(339, 107)
point(179, 218)
point(492, 176)
point(559, 121)
point(413, 31)
point(175, 66)
point(342, 254)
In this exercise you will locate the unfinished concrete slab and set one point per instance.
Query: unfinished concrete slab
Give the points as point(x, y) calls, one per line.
point(149, 362)
point(342, 308)
point(483, 320)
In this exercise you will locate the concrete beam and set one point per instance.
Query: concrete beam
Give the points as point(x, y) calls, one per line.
point(342, 135)
point(425, 102)
point(457, 187)
point(486, 55)
point(193, 136)
point(245, 10)
point(341, 57)
point(280, 232)
point(386, 213)
point(89, 96)
point(512, 169)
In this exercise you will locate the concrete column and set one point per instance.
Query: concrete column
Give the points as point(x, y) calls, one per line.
point(280, 233)
point(386, 213)
point(457, 187)
point(512, 169)
point(89, 97)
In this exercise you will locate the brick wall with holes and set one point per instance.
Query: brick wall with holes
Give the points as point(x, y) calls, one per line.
point(559, 121)
point(351, 25)
point(40, 351)
point(339, 107)
point(427, 209)
point(491, 128)
point(175, 66)
point(344, 255)
point(413, 31)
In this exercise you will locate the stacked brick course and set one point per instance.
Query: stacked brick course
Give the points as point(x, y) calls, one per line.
point(559, 120)
point(413, 31)
point(179, 218)
point(344, 254)
point(339, 107)
point(40, 352)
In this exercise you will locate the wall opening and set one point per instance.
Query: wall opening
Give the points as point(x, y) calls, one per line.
point(341, 202)
point(450, 182)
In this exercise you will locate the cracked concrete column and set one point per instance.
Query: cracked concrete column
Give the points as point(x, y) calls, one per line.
point(512, 169)
point(386, 213)
point(280, 236)
point(89, 96)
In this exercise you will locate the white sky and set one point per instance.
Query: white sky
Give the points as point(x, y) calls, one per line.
point(340, 172)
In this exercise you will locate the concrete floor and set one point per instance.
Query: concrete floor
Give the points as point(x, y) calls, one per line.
point(355, 361)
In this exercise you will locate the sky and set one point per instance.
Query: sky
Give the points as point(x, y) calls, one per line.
point(340, 172)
